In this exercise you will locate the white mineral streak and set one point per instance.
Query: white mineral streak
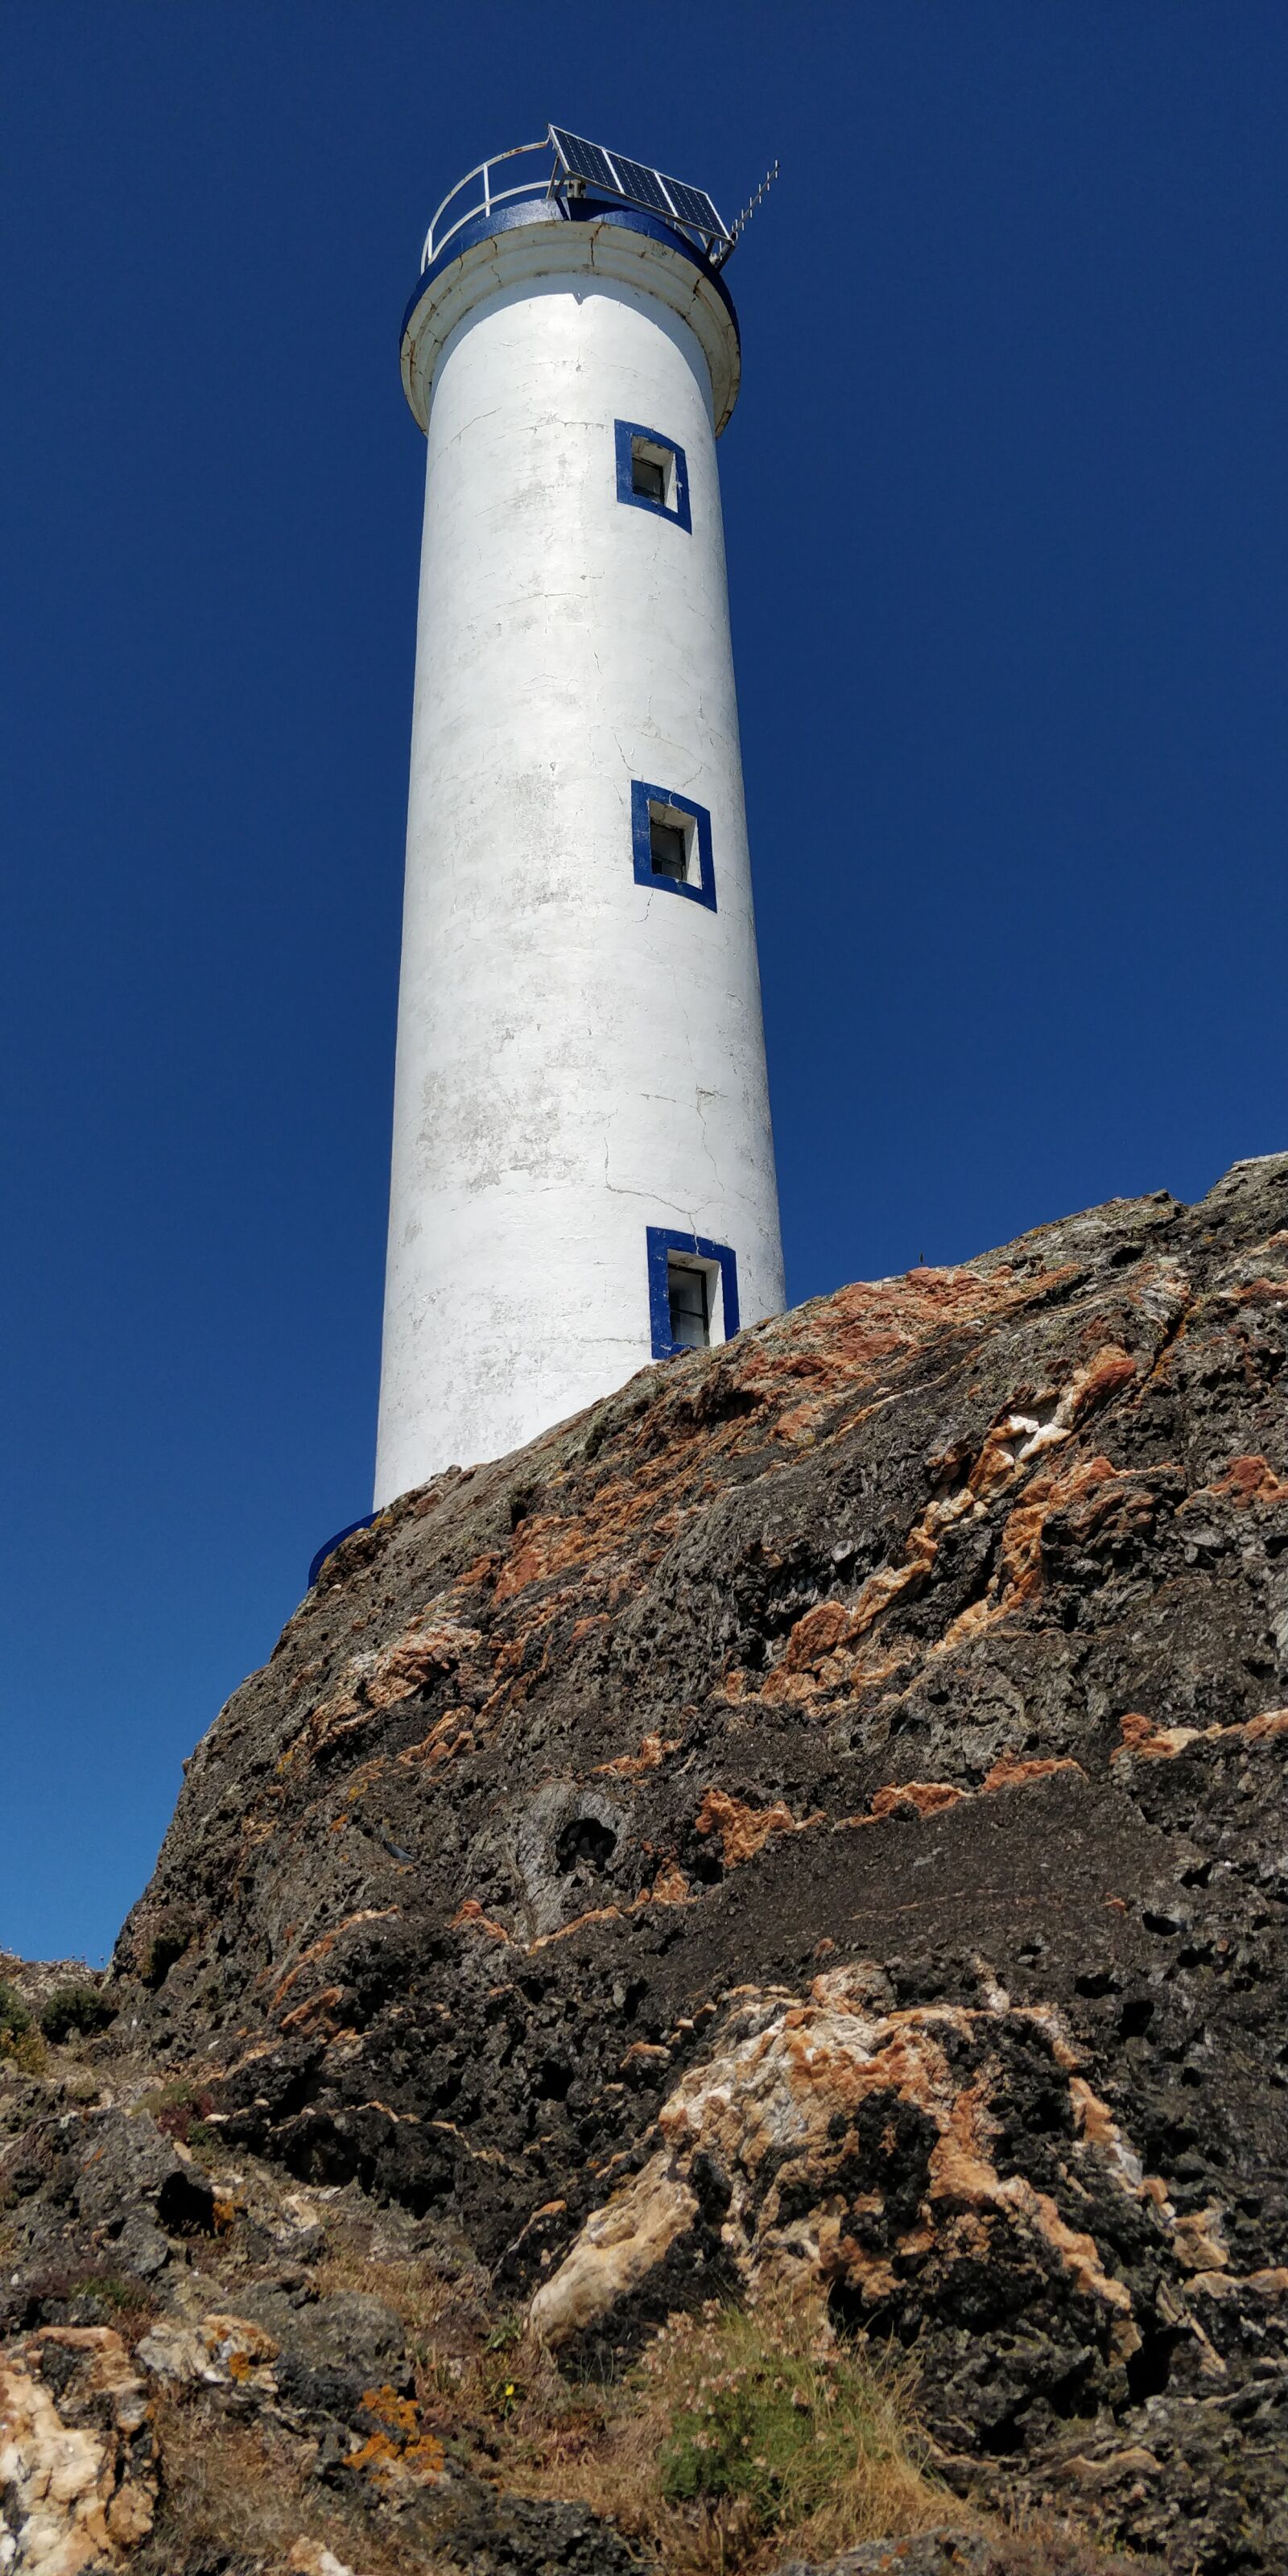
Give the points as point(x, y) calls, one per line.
point(310, 2558)
point(764, 2105)
point(615, 2251)
point(66, 2509)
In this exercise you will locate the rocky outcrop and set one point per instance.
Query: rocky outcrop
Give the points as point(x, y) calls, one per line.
point(76, 2466)
point(817, 1818)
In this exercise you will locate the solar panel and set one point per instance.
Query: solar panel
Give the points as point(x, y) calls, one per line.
point(635, 181)
point(584, 160)
point(640, 185)
point(694, 206)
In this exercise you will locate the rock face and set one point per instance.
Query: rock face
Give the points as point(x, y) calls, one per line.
point(817, 1817)
point(77, 2476)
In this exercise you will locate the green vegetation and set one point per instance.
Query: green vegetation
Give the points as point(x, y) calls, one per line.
point(20, 2041)
point(775, 2426)
point(180, 2107)
point(14, 2018)
point(82, 2008)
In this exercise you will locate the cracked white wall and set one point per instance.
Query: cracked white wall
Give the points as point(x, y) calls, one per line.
point(579, 1056)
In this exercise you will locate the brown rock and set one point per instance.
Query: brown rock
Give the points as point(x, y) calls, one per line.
point(523, 1799)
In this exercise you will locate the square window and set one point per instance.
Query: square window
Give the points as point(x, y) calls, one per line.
point(671, 840)
point(652, 472)
point(692, 1292)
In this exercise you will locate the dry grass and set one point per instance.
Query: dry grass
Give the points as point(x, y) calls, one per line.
point(439, 2311)
point(1041, 2546)
point(814, 2449)
point(743, 2437)
point(231, 2488)
point(766, 2411)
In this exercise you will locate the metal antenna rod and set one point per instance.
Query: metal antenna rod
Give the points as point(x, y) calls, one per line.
point(740, 222)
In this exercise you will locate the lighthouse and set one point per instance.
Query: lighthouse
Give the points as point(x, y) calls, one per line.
point(583, 1171)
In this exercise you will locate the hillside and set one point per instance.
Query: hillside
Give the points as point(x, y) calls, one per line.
point(812, 1825)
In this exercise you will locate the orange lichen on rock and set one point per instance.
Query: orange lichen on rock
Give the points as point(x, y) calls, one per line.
point(827, 1625)
point(548, 1545)
point(398, 2452)
point(1258, 1730)
point(1153, 1743)
point(450, 1734)
point(470, 1917)
point(671, 1887)
point(633, 1766)
point(744, 1831)
point(923, 1797)
point(1108, 1370)
point(429, 1651)
point(304, 2013)
point(595, 1914)
point(1249, 1480)
point(1013, 1771)
point(419, 1657)
point(396, 2414)
point(1021, 1550)
point(1015, 1440)
point(1157, 1744)
point(326, 1942)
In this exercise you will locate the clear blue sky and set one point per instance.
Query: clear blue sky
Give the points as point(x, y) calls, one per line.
point(1007, 515)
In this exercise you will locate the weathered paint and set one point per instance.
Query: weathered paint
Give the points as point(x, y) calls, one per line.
point(579, 1057)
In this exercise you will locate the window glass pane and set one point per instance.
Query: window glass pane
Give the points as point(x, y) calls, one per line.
point(690, 1320)
point(667, 851)
point(648, 479)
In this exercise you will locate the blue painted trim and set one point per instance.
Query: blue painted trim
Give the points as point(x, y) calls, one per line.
point(330, 1545)
point(642, 795)
point(662, 1241)
point(624, 431)
point(577, 210)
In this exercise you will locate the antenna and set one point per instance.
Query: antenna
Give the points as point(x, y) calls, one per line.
point(740, 222)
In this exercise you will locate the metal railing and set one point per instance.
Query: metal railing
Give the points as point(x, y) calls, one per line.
point(476, 194)
point(485, 197)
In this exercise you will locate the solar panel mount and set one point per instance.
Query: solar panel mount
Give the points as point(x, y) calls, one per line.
point(581, 164)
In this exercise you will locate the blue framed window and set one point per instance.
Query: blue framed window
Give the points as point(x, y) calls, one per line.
point(692, 1292)
point(671, 843)
point(652, 473)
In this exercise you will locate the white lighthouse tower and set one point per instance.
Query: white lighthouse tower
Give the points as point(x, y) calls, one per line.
point(583, 1168)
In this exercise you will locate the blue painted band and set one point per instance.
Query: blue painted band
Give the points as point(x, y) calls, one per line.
point(625, 432)
point(662, 1242)
point(642, 796)
point(540, 208)
point(330, 1545)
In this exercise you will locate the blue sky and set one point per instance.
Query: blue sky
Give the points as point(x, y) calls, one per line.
point(1007, 521)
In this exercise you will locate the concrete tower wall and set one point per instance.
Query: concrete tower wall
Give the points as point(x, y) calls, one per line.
point(580, 1055)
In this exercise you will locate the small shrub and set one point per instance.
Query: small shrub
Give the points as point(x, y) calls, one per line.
point(94, 2297)
point(774, 2428)
point(177, 2107)
point(83, 2008)
point(20, 2041)
point(14, 2017)
point(119, 2294)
